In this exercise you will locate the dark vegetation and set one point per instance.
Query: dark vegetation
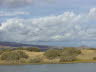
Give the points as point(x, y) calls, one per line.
point(33, 49)
point(69, 54)
point(52, 53)
point(13, 55)
point(66, 54)
point(21, 54)
point(16, 53)
point(94, 58)
point(35, 60)
point(91, 48)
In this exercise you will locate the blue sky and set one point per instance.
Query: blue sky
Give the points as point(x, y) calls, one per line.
point(33, 21)
point(39, 8)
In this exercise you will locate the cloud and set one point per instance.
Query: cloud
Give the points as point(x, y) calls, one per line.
point(48, 3)
point(15, 3)
point(13, 13)
point(66, 26)
point(21, 3)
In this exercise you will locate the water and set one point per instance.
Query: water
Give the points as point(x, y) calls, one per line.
point(87, 67)
point(73, 43)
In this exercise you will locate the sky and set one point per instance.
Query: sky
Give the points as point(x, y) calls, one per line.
point(67, 22)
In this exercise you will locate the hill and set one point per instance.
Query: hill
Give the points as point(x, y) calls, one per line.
point(15, 45)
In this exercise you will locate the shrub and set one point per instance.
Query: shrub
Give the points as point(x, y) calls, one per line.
point(23, 60)
point(52, 53)
point(70, 51)
point(91, 48)
point(14, 55)
point(1, 52)
point(35, 49)
point(9, 56)
point(20, 48)
point(67, 58)
point(94, 58)
point(69, 54)
point(7, 50)
point(22, 54)
point(35, 60)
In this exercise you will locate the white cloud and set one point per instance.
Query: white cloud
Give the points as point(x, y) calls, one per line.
point(15, 3)
point(67, 26)
point(13, 13)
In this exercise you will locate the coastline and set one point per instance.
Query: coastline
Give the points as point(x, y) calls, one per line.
point(71, 62)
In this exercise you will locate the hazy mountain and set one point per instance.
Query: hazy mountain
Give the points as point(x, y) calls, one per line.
point(14, 44)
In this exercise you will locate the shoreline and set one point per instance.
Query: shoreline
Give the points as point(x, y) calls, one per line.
point(72, 62)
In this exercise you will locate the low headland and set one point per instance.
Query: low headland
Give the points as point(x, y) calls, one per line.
point(33, 55)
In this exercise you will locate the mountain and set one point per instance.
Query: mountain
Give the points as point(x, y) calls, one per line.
point(14, 44)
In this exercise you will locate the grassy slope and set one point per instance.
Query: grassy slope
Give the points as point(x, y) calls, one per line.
point(41, 55)
point(85, 57)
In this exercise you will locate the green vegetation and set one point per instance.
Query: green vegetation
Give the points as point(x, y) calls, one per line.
point(66, 54)
point(34, 49)
point(94, 58)
point(69, 54)
point(91, 48)
point(33, 55)
point(1, 52)
point(14, 55)
point(67, 58)
point(52, 53)
point(35, 60)
point(71, 51)
point(7, 50)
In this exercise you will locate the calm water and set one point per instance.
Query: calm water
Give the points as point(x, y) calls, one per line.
point(50, 68)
